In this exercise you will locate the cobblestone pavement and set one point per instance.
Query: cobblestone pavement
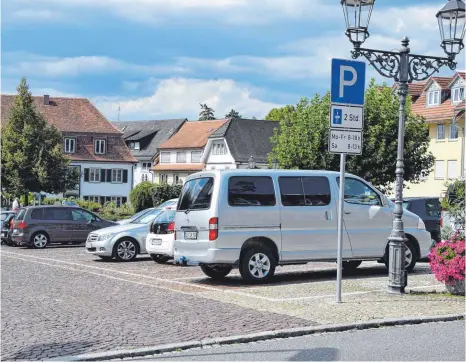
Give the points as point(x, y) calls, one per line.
point(61, 301)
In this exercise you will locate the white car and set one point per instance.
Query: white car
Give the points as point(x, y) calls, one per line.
point(123, 242)
point(256, 220)
point(171, 203)
point(161, 237)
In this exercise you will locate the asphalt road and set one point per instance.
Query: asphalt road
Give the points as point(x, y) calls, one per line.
point(444, 341)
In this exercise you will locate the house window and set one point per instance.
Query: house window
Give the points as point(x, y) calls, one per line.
point(452, 169)
point(433, 98)
point(176, 179)
point(117, 176)
point(453, 132)
point(218, 149)
point(457, 94)
point(164, 178)
point(181, 157)
point(137, 146)
point(92, 198)
point(146, 166)
point(99, 146)
point(94, 175)
point(196, 156)
point(165, 157)
point(440, 132)
point(439, 170)
point(118, 200)
point(145, 177)
point(70, 145)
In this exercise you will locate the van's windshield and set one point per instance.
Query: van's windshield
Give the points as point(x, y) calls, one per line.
point(196, 194)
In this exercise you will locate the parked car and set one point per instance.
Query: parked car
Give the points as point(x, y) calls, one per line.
point(123, 242)
point(429, 210)
point(5, 220)
point(290, 217)
point(39, 226)
point(161, 237)
point(171, 202)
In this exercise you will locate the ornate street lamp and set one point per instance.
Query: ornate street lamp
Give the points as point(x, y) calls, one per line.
point(403, 67)
point(251, 162)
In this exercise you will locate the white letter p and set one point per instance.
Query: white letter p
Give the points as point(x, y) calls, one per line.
point(343, 82)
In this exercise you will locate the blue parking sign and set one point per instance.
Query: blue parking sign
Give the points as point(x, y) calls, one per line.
point(348, 82)
point(337, 116)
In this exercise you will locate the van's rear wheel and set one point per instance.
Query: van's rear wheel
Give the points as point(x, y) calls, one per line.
point(216, 272)
point(351, 264)
point(257, 265)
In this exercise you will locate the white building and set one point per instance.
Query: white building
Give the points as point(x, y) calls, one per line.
point(181, 155)
point(143, 138)
point(93, 145)
point(238, 143)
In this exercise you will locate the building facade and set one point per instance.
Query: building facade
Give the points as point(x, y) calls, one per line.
point(92, 143)
point(143, 138)
point(239, 141)
point(181, 155)
point(441, 101)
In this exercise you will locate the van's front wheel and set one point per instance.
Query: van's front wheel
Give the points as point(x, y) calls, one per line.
point(257, 265)
point(216, 272)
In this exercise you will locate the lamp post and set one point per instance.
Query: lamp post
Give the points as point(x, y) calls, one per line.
point(403, 67)
point(251, 162)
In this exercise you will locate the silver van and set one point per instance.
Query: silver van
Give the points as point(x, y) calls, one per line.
point(258, 219)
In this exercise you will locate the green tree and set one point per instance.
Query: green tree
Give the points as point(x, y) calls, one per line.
point(206, 113)
point(32, 158)
point(233, 114)
point(302, 142)
point(141, 196)
point(164, 192)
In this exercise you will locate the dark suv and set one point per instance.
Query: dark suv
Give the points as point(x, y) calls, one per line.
point(38, 226)
point(429, 210)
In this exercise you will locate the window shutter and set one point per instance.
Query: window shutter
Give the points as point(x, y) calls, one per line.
point(86, 175)
point(124, 200)
point(125, 176)
point(102, 175)
point(109, 175)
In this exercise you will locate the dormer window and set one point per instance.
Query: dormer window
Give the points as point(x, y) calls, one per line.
point(433, 98)
point(70, 145)
point(134, 146)
point(219, 149)
point(99, 147)
point(457, 94)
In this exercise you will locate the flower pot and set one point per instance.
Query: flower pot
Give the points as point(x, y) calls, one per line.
point(456, 287)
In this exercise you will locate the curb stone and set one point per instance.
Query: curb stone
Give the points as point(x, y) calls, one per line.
point(261, 336)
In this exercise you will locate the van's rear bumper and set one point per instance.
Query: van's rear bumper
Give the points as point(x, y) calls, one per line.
point(204, 252)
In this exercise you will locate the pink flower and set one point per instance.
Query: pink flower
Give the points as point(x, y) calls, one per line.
point(447, 260)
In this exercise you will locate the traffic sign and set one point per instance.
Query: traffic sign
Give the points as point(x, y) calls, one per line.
point(348, 82)
point(346, 117)
point(345, 141)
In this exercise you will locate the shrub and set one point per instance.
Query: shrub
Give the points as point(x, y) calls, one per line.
point(454, 205)
point(447, 260)
point(113, 213)
point(164, 192)
point(52, 201)
point(89, 205)
point(141, 196)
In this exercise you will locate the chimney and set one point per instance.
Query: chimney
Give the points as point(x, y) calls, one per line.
point(46, 99)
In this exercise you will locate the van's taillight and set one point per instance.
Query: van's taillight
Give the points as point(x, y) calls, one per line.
point(21, 225)
point(213, 228)
point(171, 228)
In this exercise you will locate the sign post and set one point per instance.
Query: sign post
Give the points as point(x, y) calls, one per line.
point(345, 135)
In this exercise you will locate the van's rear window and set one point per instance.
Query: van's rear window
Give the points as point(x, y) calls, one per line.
point(20, 214)
point(196, 194)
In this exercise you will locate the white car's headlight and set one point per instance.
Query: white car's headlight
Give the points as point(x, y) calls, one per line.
point(420, 224)
point(105, 237)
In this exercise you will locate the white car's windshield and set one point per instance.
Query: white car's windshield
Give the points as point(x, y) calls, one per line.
point(147, 217)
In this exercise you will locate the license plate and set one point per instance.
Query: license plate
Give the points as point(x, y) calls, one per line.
point(190, 235)
point(156, 242)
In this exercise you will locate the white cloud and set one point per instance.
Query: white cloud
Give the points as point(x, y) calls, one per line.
point(180, 97)
point(55, 67)
point(36, 14)
point(251, 12)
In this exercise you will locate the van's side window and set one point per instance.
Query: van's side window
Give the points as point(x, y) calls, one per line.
point(291, 190)
point(304, 191)
point(251, 191)
point(316, 190)
point(357, 192)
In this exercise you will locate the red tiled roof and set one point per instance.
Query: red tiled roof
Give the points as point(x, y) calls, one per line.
point(178, 167)
point(79, 118)
point(442, 111)
point(443, 82)
point(67, 114)
point(192, 134)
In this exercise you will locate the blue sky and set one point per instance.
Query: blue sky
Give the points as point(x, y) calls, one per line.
point(159, 59)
